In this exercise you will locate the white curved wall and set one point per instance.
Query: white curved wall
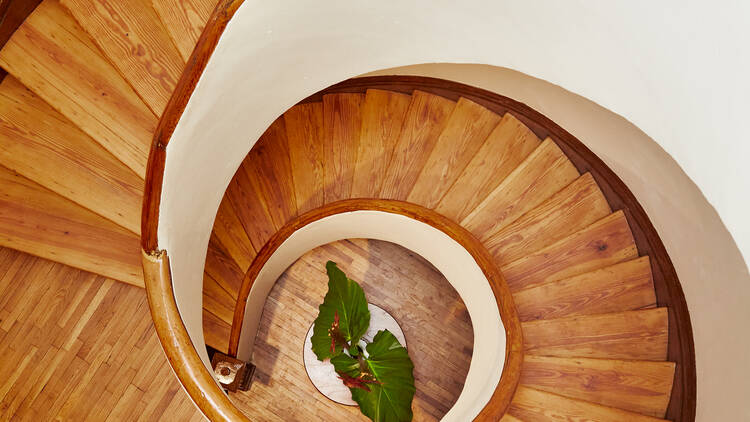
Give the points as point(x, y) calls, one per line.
point(676, 70)
point(447, 255)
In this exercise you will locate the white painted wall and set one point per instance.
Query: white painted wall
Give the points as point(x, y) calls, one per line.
point(447, 255)
point(676, 70)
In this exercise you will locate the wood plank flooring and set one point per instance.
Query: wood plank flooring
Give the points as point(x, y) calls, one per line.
point(434, 319)
point(77, 346)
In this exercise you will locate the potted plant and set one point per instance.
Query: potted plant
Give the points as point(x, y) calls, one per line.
point(379, 374)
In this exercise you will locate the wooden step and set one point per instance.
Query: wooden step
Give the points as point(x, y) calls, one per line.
point(131, 36)
point(425, 120)
point(575, 207)
point(216, 332)
point(222, 269)
point(245, 196)
point(184, 20)
point(84, 86)
point(639, 335)
point(217, 300)
point(538, 406)
point(44, 146)
point(304, 128)
point(606, 242)
point(231, 235)
point(42, 223)
point(508, 418)
point(467, 128)
point(505, 148)
point(542, 174)
point(637, 386)
point(383, 114)
point(268, 163)
point(342, 121)
point(621, 287)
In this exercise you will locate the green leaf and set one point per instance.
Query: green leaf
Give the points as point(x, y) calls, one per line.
point(345, 299)
point(389, 398)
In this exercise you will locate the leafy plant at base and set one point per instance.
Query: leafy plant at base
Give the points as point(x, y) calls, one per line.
point(380, 376)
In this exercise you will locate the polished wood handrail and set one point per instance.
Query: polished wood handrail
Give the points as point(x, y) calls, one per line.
point(215, 26)
point(184, 360)
point(509, 379)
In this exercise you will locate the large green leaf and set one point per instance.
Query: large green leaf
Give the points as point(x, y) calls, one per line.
point(386, 389)
point(346, 300)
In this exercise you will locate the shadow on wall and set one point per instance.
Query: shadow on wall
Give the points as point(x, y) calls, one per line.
point(713, 274)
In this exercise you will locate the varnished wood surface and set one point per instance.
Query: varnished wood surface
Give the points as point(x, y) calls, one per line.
point(121, 27)
point(342, 121)
point(77, 346)
point(304, 128)
point(84, 86)
point(38, 221)
point(434, 320)
point(184, 20)
point(44, 146)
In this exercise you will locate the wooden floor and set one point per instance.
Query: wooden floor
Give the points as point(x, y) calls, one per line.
point(435, 322)
point(76, 346)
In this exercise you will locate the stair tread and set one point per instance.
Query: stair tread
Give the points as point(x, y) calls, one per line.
point(467, 128)
point(231, 234)
point(425, 119)
point(637, 386)
point(216, 332)
point(42, 145)
point(503, 150)
point(184, 20)
point(342, 121)
point(245, 195)
point(606, 242)
point(40, 222)
point(122, 27)
point(383, 114)
point(222, 269)
point(268, 164)
point(573, 208)
point(638, 335)
point(620, 287)
point(304, 127)
point(217, 300)
point(542, 174)
point(533, 405)
point(84, 86)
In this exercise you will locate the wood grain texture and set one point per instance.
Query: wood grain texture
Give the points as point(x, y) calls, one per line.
point(621, 287)
point(503, 393)
point(230, 233)
point(467, 128)
point(223, 269)
point(383, 114)
point(304, 128)
point(184, 21)
point(636, 386)
point(539, 406)
point(219, 19)
point(77, 346)
point(83, 87)
point(218, 301)
point(216, 332)
point(606, 242)
point(435, 321)
point(132, 37)
point(40, 222)
point(425, 120)
point(268, 165)
point(342, 121)
point(638, 335)
point(573, 208)
point(44, 146)
point(186, 364)
point(503, 150)
point(542, 174)
point(245, 196)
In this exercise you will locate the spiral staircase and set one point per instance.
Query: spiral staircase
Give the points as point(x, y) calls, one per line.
point(89, 80)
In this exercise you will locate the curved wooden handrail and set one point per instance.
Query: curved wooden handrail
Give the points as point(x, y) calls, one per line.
point(215, 26)
point(184, 360)
point(511, 374)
